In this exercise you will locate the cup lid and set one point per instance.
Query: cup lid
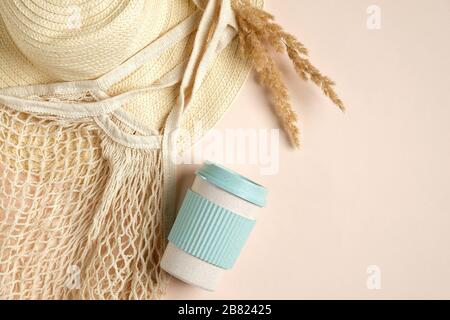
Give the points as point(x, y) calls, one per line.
point(233, 183)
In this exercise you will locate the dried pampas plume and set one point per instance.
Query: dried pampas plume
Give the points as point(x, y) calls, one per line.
point(257, 31)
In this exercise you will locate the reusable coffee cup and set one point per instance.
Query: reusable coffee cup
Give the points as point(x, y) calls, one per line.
point(212, 225)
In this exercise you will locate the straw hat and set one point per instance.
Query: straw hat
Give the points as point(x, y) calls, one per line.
point(45, 41)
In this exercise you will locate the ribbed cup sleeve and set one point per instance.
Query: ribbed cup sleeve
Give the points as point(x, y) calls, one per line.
point(210, 232)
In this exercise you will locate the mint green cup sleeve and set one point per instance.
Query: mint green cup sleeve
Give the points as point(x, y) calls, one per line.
point(210, 232)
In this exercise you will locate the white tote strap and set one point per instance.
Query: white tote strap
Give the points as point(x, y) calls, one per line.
point(195, 72)
point(157, 47)
point(84, 109)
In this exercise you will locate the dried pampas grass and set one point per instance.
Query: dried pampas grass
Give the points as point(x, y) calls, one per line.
point(257, 32)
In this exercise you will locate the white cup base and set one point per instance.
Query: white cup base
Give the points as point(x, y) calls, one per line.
point(190, 269)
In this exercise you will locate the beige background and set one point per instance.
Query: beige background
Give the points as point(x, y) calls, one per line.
point(371, 187)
